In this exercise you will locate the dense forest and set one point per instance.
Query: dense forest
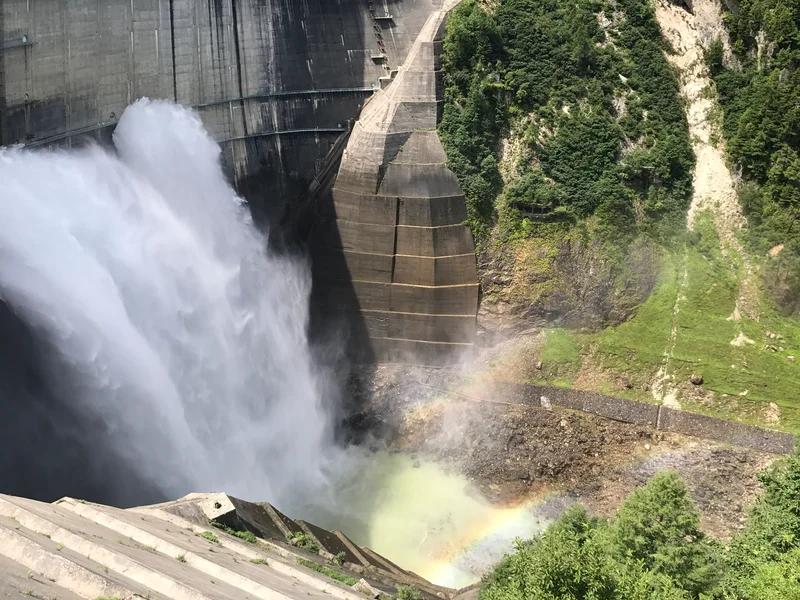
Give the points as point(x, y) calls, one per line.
point(759, 89)
point(563, 120)
point(585, 90)
point(654, 549)
point(564, 124)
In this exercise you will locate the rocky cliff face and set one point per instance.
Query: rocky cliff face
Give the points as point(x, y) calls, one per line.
point(567, 281)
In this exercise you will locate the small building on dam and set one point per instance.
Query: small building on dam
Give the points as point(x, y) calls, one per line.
point(331, 105)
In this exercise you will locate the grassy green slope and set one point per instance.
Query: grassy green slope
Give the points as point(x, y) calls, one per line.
point(563, 144)
point(739, 379)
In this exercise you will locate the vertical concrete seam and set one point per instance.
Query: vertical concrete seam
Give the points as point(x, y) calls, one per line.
point(172, 42)
point(396, 222)
point(235, 16)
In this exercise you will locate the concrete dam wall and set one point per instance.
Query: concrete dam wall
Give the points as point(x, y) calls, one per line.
point(278, 83)
point(390, 244)
point(274, 80)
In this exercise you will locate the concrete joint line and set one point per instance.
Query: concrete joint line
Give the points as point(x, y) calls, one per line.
point(343, 251)
point(171, 550)
point(430, 226)
point(281, 567)
point(413, 285)
point(436, 257)
point(114, 561)
point(58, 569)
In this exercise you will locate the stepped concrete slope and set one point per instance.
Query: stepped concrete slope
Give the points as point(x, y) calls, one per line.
point(274, 80)
point(74, 549)
point(391, 252)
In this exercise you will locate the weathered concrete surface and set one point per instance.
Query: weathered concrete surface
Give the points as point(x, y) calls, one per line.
point(274, 80)
point(391, 253)
point(74, 549)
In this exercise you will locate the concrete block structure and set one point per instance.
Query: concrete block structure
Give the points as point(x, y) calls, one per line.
point(74, 549)
point(275, 81)
point(278, 82)
point(392, 255)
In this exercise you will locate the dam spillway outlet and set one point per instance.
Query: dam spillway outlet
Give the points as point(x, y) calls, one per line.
point(143, 384)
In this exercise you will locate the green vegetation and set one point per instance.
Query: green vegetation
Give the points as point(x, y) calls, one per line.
point(564, 124)
point(637, 346)
point(259, 561)
point(339, 558)
point(247, 536)
point(304, 541)
point(328, 572)
point(560, 347)
point(405, 592)
point(181, 558)
point(654, 549)
point(210, 537)
point(760, 96)
point(592, 102)
point(741, 377)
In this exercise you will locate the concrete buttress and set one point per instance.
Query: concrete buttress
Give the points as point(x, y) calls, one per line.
point(391, 252)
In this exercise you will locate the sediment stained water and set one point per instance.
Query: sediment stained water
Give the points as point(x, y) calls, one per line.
point(428, 521)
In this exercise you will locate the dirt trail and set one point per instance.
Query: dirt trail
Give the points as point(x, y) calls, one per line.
point(714, 187)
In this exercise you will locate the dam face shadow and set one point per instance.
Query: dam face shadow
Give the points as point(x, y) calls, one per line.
point(51, 448)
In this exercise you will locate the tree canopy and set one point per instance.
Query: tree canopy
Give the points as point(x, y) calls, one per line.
point(759, 91)
point(587, 88)
point(654, 549)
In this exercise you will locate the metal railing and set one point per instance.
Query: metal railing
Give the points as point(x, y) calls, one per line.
point(264, 134)
point(298, 93)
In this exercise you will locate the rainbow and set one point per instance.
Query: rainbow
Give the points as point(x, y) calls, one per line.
point(460, 561)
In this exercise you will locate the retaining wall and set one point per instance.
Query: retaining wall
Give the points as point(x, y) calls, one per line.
point(640, 413)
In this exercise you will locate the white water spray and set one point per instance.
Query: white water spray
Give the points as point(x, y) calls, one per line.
point(181, 332)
